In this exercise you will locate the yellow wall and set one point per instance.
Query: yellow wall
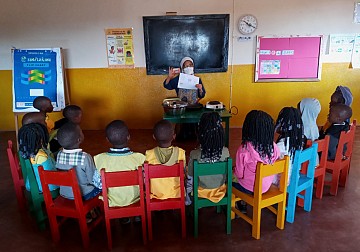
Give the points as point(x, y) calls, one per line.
point(133, 96)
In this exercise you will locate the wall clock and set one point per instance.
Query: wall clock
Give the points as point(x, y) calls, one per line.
point(247, 24)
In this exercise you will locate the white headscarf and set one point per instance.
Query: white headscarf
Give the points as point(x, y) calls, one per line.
point(185, 59)
point(310, 109)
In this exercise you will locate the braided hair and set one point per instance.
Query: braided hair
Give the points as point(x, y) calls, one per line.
point(211, 137)
point(289, 124)
point(32, 137)
point(258, 129)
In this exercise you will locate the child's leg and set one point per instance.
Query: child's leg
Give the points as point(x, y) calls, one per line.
point(92, 194)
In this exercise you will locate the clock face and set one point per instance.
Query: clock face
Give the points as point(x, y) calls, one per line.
point(247, 24)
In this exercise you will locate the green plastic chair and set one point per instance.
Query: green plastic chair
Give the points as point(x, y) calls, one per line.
point(204, 169)
point(35, 198)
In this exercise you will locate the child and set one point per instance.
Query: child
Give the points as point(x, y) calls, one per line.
point(120, 158)
point(310, 109)
point(257, 146)
point(33, 139)
point(34, 117)
point(166, 154)
point(338, 116)
point(211, 140)
point(44, 105)
point(70, 136)
point(289, 126)
point(71, 113)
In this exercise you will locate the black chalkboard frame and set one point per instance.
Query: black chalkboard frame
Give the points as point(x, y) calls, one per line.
point(157, 29)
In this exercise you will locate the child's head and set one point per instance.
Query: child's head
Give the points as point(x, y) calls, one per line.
point(310, 109)
point(258, 129)
point(117, 133)
point(164, 133)
point(34, 117)
point(339, 113)
point(43, 104)
point(73, 113)
point(32, 137)
point(289, 124)
point(70, 136)
point(211, 136)
point(341, 95)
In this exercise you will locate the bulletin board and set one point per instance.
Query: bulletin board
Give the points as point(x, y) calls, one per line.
point(292, 58)
point(37, 72)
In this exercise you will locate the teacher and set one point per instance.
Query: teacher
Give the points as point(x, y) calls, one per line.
point(191, 96)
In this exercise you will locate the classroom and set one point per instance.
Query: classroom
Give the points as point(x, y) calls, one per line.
point(130, 94)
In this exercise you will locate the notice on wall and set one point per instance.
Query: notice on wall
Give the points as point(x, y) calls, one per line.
point(120, 48)
point(37, 72)
point(355, 57)
point(341, 44)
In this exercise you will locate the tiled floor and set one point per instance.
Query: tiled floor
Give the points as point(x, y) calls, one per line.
point(332, 225)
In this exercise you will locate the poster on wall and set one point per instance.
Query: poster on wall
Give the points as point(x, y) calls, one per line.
point(37, 72)
point(288, 58)
point(341, 44)
point(355, 58)
point(120, 48)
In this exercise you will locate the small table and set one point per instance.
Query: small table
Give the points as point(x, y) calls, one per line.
point(193, 116)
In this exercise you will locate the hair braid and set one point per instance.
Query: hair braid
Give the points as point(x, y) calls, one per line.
point(32, 137)
point(258, 129)
point(211, 136)
point(289, 124)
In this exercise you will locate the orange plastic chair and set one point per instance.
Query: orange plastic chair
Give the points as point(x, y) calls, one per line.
point(118, 179)
point(340, 166)
point(16, 176)
point(66, 208)
point(163, 171)
point(275, 195)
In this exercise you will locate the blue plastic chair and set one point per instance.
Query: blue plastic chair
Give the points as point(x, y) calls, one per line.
point(301, 182)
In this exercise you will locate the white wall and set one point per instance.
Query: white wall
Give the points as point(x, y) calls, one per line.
point(78, 25)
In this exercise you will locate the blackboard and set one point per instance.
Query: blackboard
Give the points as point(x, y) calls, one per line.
point(292, 58)
point(204, 38)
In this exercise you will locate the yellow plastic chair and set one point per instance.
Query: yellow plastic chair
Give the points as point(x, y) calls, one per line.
point(275, 195)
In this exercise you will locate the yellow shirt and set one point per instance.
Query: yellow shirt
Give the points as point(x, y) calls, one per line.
point(126, 195)
point(164, 188)
point(49, 123)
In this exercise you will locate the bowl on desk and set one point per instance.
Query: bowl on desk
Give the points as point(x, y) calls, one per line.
point(174, 107)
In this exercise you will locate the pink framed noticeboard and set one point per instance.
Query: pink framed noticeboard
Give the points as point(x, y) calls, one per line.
point(293, 58)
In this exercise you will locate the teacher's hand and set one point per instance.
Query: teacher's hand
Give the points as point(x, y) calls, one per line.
point(198, 86)
point(173, 72)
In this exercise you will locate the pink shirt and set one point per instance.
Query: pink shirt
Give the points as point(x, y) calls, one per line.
point(246, 160)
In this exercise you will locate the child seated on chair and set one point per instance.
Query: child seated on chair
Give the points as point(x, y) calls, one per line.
point(70, 136)
point(257, 146)
point(310, 109)
point(338, 116)
point(44, 105)
point(71, 113)
point(211, 149)
point(33, 117)
point(120, 158)
point(289, 128)
point(33, 139)
point(165, 154)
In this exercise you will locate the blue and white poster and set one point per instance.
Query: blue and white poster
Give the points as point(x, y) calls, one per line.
point(37, 72)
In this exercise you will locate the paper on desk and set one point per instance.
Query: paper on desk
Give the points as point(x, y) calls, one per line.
point(187, 81)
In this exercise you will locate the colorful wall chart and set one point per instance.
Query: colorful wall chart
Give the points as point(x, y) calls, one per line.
point(37, 72)
point(119, 47)
point(291, 58)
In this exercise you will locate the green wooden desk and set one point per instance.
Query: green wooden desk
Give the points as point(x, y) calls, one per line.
point(193, 116)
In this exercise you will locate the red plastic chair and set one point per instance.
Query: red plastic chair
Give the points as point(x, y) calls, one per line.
point(117, 179)
point(339, 167)
point(60, 206)
point(162, 171)
point(16, 176)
